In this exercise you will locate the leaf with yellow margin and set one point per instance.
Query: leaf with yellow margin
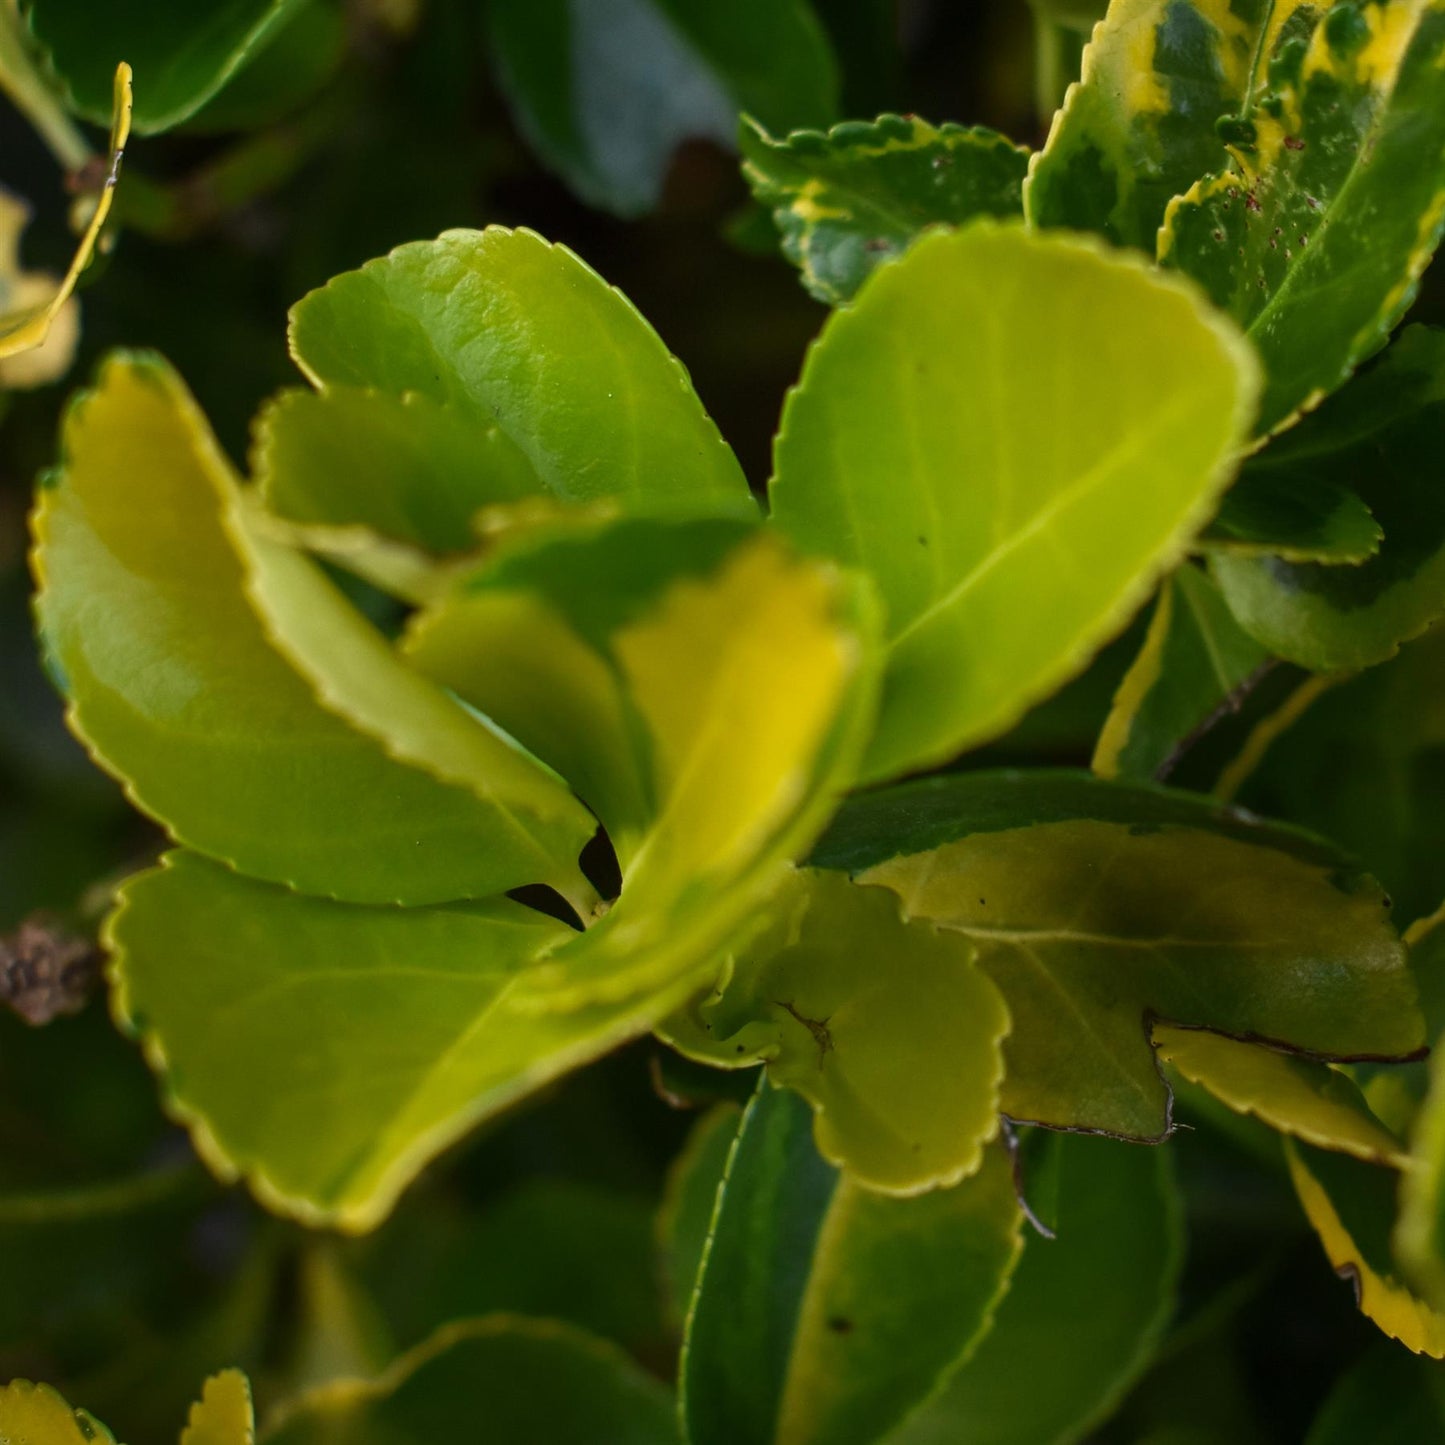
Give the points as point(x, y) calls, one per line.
point(1315, 234)
point(1302, 1097)
point(28, 324)
point(245, 704)
point(1352, 1208)
point(37, 1415)
point(223, 1414)
point(902, 1064)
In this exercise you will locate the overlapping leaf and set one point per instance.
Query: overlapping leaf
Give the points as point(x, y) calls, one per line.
point(849, 199)
point(606, 91)
point(1084, 1310)
point(1379, 439)
point(243, 702)
point(1195, 663)
point(1279, 508)
point(1097, 908)
point(902, 1063)
point(1315, 235)
point(1006, 551)
point(821, 1313)
point(473, 370)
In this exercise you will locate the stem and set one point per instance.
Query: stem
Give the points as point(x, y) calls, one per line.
point(34, 98)
point(91, 1201)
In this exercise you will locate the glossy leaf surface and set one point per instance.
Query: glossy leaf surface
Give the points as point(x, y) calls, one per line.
point(824, 1313)
point(902, 1062)
point(223, 1415)
point(1083, 1312)
point(849, 199)
point(244, 703)
point(528, 1380)
point(1139, 127)
point(1280, 508)
point(1196, 662)
point(1352, 1208)
point(1301, 1097)
point(183, 57)
point(387, 1032)
point(606, 90)
point(1378, 437)
point(1094, 923)
point(517, 336)
point(1006, 552)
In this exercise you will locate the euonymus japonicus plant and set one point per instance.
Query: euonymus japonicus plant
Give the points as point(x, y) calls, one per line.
point(1153, 358)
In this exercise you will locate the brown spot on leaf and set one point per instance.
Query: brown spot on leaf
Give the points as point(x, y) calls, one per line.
point(45, 970)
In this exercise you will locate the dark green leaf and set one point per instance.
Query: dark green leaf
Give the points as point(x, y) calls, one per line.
point(605, 91)
point(1380, 439)
point(1287, 507)
point(848, 200)
point(1386, 1399)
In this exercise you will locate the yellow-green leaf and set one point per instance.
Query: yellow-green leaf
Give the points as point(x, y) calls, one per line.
point(223, 1414)
point(37, 1415)
point(242, 701)
point(902, 1065)
point(1006, 550)
point(1302, 1097)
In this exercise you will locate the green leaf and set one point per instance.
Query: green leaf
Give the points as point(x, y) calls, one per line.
point(902, 1068)
point(1094, 923)
point(387, 1033)
point(821, 1313)
point(37, 1415)
point(223, 1414)
point(743, 786)
point(528, 639)
point(1084, 1311)
point(1139, 127)
point(684, 1219)
point(1379, 437)
point(182, 58)
point(1196, 662)
point(1301, 1097)
point(402, 465)
point(851, 198)
point(1315, 236)
point(1364, 764)
point(522, 342)
point(1388, 1398)
point(243, 702)
point(993, 604)
point(1352, 1208)
point(518, 1380)
point(605, 92)
point(1286, 507)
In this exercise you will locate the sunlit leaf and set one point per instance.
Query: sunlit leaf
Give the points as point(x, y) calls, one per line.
point(519, 1380)
point(1084, 1310)
point(1194, 664)
point(1006, 551)
point(902, 1064)
point(1378, 437)
point(1301, 1097)
point(223, 1414)
point(242, 700)
point(1315, 235)
point(606, 91)
point(824, 1314)
point(1098, 908)
point(387, 1033)
point(502, 334)
point(849, 199)
point(1352, 1208)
